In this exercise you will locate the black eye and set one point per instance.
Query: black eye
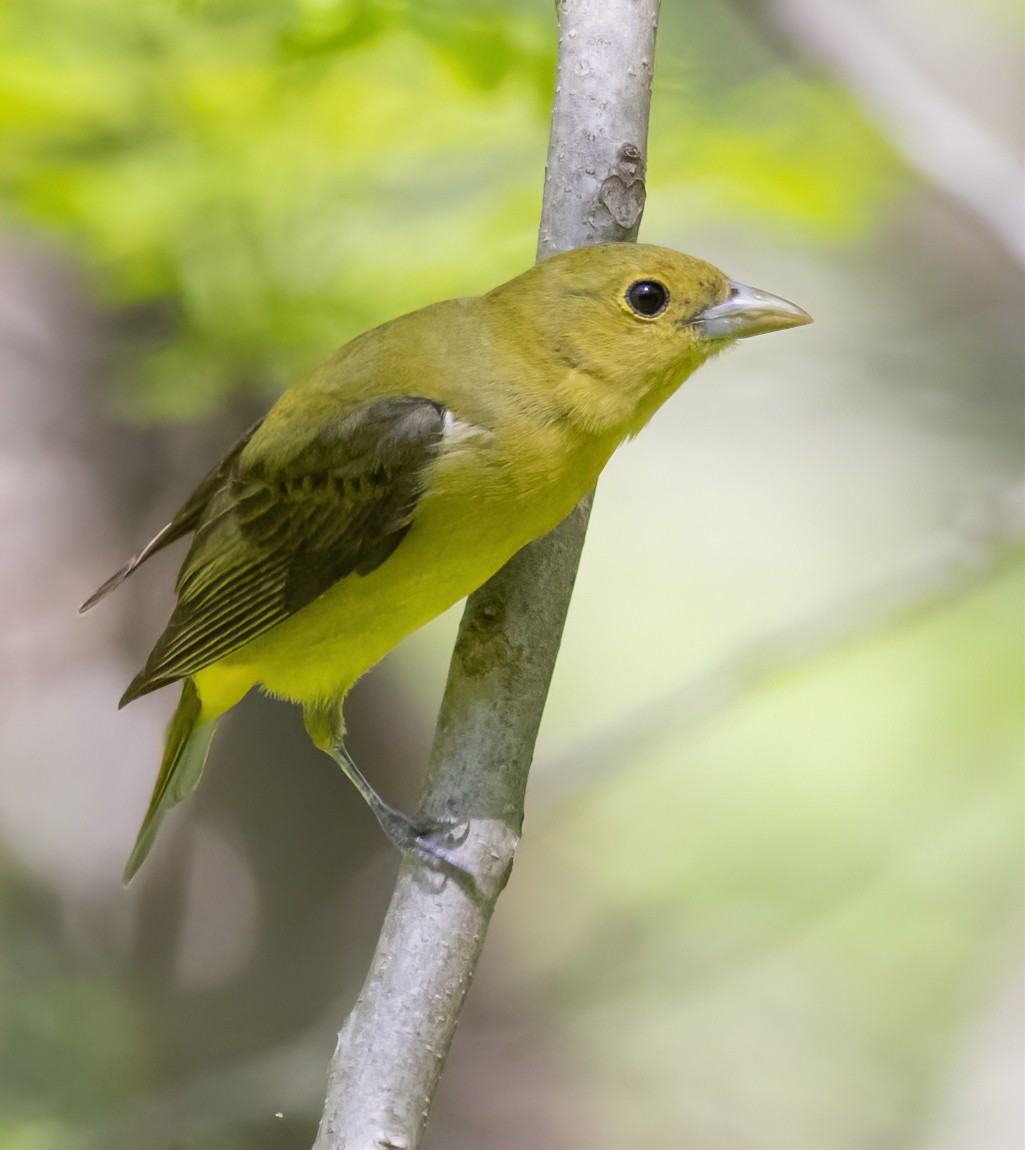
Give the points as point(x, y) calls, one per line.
point(648, 297)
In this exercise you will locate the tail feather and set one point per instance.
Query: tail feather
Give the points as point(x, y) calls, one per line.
point(188, 742)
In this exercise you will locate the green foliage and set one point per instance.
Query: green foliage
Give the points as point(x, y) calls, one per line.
point(774, 153)
point(269, 178)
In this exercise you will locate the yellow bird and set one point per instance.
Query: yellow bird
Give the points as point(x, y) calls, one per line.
point(404, 472)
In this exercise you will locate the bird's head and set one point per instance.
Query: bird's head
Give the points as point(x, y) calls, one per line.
point(627, 323)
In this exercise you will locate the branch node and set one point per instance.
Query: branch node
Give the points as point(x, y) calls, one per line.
point(623, 192)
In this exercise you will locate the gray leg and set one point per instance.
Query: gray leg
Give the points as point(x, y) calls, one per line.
point(434, 841)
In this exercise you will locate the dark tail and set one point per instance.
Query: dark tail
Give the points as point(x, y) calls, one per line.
point(185, 751)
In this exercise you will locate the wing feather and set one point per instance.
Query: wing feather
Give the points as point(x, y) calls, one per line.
point(272, 539)
point(185, 522)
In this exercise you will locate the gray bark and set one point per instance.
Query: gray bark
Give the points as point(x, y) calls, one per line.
point(392, 1048)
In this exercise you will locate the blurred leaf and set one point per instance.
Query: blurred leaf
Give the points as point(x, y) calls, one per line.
point(292, 173)
point(782, 150)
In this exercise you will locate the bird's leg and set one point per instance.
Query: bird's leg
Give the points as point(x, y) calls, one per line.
point(436, 841)
point(433, 839)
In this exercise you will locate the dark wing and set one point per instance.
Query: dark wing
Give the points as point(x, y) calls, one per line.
point(272, 539)
point(184, 523)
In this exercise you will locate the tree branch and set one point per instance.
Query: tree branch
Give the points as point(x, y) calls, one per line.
point(392, 1048)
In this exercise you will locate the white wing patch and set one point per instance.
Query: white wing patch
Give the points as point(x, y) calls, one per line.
point(455, 431)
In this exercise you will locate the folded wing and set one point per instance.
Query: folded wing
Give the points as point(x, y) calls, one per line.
point(273, 536)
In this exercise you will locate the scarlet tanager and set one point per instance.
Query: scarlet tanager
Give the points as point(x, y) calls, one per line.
point(404, 472)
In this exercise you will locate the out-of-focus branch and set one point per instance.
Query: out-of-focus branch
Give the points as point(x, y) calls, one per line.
point(392, 1048)
point(937, 135)
point(987, 537)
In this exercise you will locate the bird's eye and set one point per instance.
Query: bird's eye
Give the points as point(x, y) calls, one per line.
point(648, 297)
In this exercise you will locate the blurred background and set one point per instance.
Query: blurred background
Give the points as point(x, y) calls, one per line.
point(770, 889)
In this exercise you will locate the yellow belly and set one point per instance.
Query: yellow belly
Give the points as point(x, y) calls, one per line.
point(456, 543)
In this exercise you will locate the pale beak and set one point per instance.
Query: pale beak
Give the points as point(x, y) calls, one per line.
point(748, 311)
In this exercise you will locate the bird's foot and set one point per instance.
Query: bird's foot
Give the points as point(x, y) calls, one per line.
point(436, 841)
